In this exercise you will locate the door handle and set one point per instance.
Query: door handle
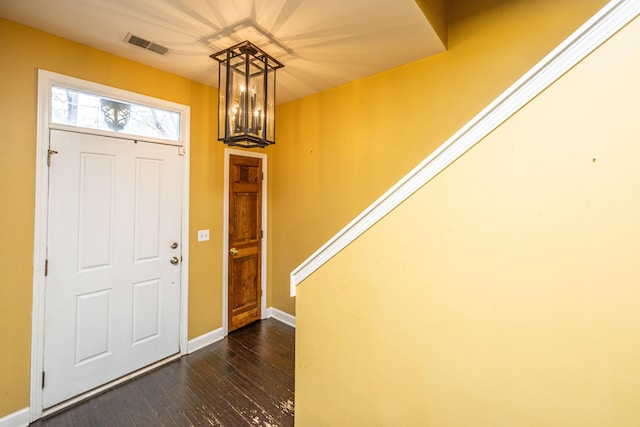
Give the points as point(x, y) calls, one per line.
point(174, 260)
point(233, 251)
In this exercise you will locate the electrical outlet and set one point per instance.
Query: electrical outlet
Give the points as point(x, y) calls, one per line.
point(203, 235)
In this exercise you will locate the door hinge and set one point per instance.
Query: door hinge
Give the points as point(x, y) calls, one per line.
point(42, 379)
point(46, 267)
point(261, 234)
point(49, 153)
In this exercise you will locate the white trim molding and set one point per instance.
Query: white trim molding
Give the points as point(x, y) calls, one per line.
point(281, 316)
point(206, 339)
point(17, 419)
point(225, 233)
point(216, 335)
point(46, 80)
point(604, 24)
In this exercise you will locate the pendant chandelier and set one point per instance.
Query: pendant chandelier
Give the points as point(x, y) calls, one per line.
point(247, 94)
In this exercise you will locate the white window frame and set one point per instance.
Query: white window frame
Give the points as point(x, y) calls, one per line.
point(91, 88)
point(131, 98)
point(46, 81)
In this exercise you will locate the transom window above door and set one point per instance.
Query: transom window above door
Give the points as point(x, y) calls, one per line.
point(72, 107)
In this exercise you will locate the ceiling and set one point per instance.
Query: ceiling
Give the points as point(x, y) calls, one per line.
point(322, 43)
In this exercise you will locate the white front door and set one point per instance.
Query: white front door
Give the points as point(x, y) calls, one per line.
point(113, 283)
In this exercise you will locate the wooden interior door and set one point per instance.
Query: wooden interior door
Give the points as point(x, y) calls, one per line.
point(245, 241)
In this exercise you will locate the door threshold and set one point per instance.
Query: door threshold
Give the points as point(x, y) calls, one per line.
point(105, 387)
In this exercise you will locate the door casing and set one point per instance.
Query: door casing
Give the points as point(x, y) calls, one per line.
point(225, 234)
point(46, 80)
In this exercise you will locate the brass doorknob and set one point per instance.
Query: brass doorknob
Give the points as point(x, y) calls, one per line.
point(174, 260)
point(233, 251)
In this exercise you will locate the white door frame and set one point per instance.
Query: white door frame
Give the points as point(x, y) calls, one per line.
point(46, 80)
point(225, 233)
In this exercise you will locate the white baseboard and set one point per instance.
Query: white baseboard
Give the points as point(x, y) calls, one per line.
point(218, 334)
point(204, 340)
point(280, 315)
point(17, 419)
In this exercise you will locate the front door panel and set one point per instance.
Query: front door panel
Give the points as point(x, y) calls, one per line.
point(112, 294)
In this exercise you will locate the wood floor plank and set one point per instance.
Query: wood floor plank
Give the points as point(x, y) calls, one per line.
point(246, 379)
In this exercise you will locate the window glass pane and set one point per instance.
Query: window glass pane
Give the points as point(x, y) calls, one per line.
point(74, 108)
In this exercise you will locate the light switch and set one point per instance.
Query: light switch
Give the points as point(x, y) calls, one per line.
point(203, 235)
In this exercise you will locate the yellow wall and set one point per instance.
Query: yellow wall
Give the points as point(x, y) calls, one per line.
point(503, 293)
point(339, 150)
point(26, 50)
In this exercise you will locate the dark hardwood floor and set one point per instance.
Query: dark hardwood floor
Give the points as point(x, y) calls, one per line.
point(245, 379)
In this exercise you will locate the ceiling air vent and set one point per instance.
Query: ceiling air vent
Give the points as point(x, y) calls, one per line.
point(146, 44)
